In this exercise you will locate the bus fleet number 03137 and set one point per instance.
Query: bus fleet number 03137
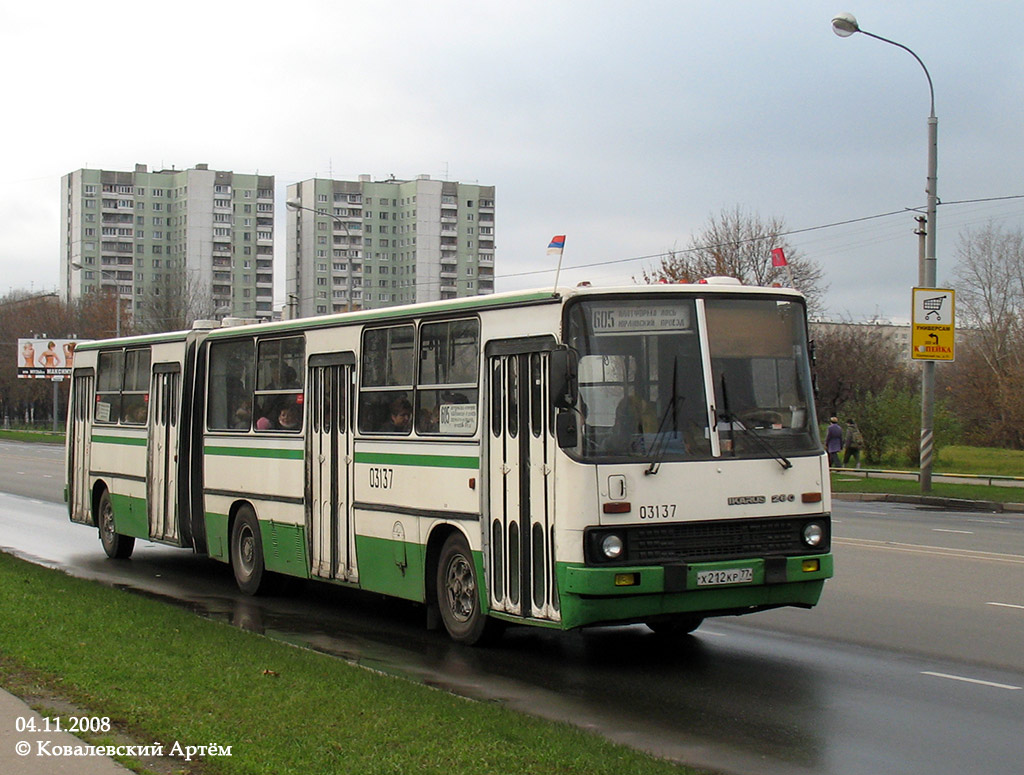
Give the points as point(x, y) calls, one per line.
point(658, 511)
point(381, 478)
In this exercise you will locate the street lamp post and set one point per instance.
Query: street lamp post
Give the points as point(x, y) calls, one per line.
point(117, 293)
point(296, 204)
point(844, 25)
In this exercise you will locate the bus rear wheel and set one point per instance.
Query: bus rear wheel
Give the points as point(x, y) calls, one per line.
point(247, 554)
point(458, 594)
point(116, 545)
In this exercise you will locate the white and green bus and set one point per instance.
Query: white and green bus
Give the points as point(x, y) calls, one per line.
point(560, 459)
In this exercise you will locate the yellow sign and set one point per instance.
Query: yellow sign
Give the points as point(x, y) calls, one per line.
point(933, 328)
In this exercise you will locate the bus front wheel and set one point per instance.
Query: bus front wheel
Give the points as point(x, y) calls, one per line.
point(116, 545)
point(458, 594)
point(247, 554)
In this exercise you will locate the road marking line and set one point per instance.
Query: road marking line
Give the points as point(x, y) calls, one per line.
point(947, 530)
point(1007, 605)
point(942, 551)
point(971, 680)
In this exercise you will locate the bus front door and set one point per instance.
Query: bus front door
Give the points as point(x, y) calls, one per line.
point(328, 465)
point(162, 458)
point(521, 484)
point(79, 444)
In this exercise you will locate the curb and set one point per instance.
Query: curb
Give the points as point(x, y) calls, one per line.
point(959, 504)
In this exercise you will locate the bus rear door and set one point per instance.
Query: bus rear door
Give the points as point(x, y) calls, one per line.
point(79, 445)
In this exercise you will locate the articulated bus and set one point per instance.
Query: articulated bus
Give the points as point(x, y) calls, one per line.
point(555, 458)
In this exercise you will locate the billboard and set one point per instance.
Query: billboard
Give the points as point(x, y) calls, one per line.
point(46, 358)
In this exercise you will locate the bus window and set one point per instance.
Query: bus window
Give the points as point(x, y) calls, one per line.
point(280, 369)
point(388, 365)
point(122, 393)
point(231, 382)
point(108, 386)
point(135, 396)
point(446, 396)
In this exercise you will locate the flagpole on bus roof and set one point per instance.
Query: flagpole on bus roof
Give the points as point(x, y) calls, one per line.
point(557, 245)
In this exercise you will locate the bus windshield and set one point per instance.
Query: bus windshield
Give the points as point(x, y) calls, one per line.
point(645, 379)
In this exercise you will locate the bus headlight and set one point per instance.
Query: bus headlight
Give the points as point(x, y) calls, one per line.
point(612, 546)
point(814, 534)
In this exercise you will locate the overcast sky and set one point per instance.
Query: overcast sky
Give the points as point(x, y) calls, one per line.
point(624, 125)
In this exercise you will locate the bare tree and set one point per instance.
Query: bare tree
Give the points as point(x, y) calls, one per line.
point(174, 303)
point(740, 244)
point(985, 383)
point(853, 361)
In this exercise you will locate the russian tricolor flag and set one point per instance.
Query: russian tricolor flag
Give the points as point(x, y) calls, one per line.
point(557, 245)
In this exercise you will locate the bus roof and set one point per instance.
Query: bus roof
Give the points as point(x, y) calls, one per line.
point(714, 285)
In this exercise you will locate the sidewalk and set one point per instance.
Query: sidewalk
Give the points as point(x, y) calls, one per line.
point(45, 750)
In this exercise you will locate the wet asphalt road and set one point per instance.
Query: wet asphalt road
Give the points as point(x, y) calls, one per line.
point(913, 662)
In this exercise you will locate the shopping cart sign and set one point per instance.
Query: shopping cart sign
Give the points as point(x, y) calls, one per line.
point(933, 329)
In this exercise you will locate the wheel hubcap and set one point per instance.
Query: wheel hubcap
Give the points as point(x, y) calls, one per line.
point(460, 588)
point(246, 549)
point(107, 523)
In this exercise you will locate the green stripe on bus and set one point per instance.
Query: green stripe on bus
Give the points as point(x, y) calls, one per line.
point(432, 461)
point(283, 454)
point(132, 441)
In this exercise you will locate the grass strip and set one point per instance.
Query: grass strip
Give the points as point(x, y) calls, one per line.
point(44, 437)
point(169, 675)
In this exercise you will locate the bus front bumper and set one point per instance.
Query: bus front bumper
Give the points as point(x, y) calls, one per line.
point(592, 595)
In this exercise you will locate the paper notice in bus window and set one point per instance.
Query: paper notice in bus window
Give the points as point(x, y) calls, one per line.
point(640, 319)
point(103, 411)
point(457, 418)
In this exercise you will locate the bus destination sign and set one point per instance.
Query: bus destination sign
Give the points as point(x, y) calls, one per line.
point(621, 319)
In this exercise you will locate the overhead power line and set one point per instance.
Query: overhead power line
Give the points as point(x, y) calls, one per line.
point(804, 230)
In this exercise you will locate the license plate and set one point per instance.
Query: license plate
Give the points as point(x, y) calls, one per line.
point(713, 578)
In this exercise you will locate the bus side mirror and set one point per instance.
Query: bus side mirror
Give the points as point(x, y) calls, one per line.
point(564, 382)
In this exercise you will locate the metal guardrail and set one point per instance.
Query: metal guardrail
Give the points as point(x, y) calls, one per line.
point(993, 480)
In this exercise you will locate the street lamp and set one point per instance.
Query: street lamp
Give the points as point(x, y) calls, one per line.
point(296, 204)
point(844, 25)
point(117, 293)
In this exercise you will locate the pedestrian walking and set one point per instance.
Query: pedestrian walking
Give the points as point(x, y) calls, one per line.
point(833, 441)
point(853, 441)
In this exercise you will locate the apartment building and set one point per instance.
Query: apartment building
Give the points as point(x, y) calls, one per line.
point(174, 244)
point(365, 244)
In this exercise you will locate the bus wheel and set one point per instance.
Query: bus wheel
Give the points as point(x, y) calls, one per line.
point(247, 554)
point(458, 594)
point(117, 546)
point(681, 625)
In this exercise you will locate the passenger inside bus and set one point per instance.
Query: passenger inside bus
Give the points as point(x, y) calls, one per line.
point(289, 418)
point(399, 416)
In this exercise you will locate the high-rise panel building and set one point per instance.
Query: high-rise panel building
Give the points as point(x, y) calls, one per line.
point(174, 244)
point(364, 244)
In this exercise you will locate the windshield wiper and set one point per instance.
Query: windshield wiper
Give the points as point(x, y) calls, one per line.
point(766, 446)
point(660, 440)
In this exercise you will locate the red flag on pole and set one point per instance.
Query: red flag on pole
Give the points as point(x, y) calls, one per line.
point(778, 257)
